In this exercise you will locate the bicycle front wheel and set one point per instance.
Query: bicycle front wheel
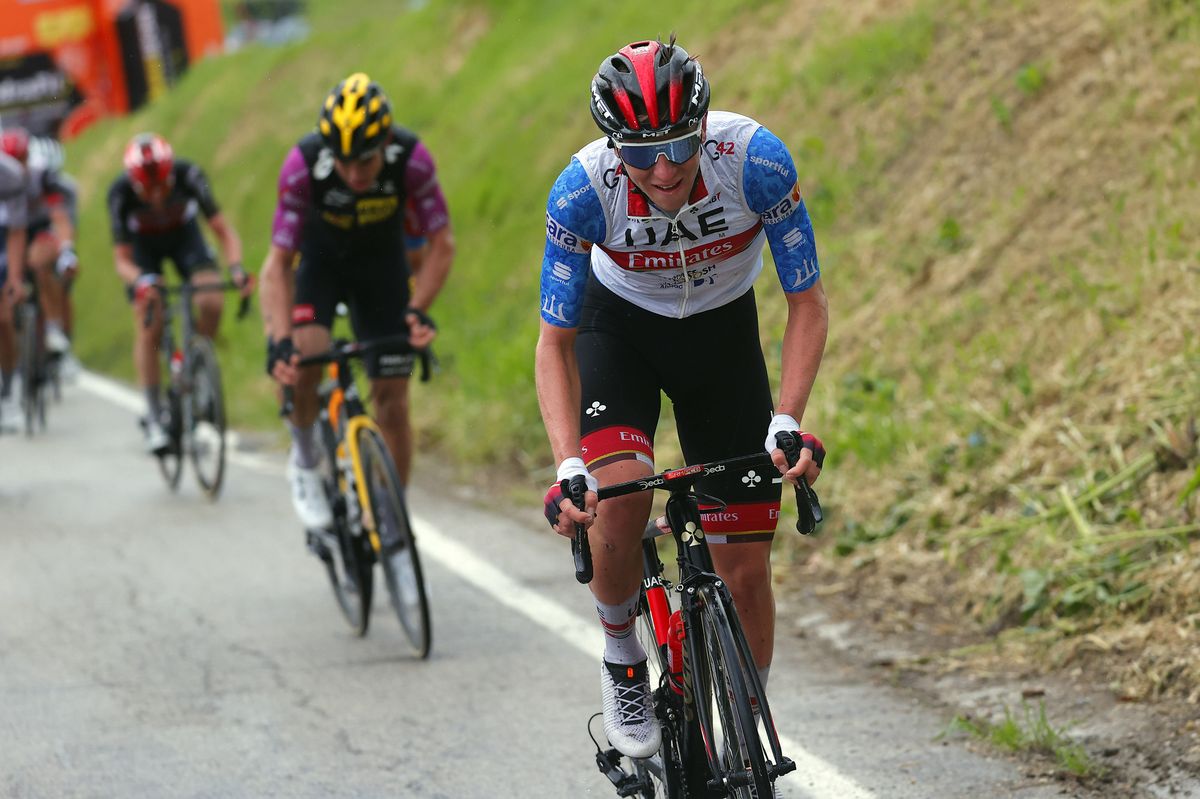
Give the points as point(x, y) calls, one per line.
point(207, 417)
point(170, 460)
point(393, 539)
point(735, 752)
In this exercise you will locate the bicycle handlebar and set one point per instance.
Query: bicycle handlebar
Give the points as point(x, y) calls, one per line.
point(807, 502)
point(187, 289)
point(343, 351)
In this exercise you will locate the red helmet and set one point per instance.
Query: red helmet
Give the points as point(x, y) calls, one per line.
point(649, 90)
point(15, 142)
point(149, 163)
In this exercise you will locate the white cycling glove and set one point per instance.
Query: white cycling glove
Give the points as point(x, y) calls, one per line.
point(780, 423)
point(573, 466)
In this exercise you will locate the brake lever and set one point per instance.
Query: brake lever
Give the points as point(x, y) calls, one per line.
point(808, 505)
point(581, 550)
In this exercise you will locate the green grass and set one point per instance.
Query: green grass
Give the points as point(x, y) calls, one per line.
point(1030, 731)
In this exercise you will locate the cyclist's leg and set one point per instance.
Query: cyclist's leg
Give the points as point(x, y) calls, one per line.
point(9, 407)
point(197, 264)
point(43, 252)
point(314, 302)
point(719, 419)
point(148, 258)
point(620, 399)
point(377, 297)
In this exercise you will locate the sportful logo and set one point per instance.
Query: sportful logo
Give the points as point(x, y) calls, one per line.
point(582, 190)
point(775, 165)
point(561, 272)
point(794, 238)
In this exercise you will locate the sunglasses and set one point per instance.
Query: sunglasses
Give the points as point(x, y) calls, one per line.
point(645, 155)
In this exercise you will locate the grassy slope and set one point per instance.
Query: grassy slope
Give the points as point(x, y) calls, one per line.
point(1001, 195)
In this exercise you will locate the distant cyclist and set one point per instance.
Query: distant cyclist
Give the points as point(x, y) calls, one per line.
point(342, 195)
point(14, 208)
point(52, 258)
point(153, 208)
point(654, 238)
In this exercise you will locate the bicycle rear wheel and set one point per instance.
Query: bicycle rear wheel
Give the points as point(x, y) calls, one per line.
point(207, 417)
point(723, 700)
point(397, 547)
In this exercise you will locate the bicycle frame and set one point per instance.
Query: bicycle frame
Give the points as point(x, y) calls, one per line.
point(698, 583)
point(344, 400)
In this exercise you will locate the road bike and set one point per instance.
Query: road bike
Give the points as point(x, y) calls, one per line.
point(193, 415)
point(718, 735)
point(371, 522)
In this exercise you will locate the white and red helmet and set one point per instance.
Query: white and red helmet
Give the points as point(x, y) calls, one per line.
point(149, 163)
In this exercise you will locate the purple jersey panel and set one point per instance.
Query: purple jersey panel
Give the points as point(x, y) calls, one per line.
point(425, 197)
point(295, 195)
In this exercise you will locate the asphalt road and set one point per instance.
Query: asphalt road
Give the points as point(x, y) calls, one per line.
point(160, 645)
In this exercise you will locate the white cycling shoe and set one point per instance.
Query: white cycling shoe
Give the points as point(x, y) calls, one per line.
point(57, 342)
point(629, 720)
point(308, 496)
point(157, 440)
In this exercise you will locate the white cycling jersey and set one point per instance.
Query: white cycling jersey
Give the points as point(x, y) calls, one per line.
point(704, 256)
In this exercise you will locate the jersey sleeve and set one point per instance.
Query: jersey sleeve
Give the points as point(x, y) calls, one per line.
point(198, 187)
point(121, 234)
point(772, 190)
point(574, 220)
point(295, 197)
point(429, 212)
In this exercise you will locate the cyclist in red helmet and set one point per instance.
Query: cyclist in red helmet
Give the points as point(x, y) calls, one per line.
point(654, 239)
point(152, 209)
point(350, 194)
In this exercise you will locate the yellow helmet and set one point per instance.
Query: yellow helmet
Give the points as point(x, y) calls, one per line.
point(355, 118)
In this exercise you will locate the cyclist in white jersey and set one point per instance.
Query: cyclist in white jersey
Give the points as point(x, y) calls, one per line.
point(654, 238)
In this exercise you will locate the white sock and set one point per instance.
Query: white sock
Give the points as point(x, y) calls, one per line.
point(620, 644)
point(305, 451)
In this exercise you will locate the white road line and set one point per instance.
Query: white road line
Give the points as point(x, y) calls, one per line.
point(822, 778)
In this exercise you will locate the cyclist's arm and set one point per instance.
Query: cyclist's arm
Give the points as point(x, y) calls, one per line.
point(772, 189)
point(122, 236)
point(127, 268)
point(556, 372)
point(287, 229)
point(231, 243)
point(435, 266)
point(277, 292)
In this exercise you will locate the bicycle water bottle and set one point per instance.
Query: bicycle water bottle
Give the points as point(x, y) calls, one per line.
point(176, 364)
point(675, 635)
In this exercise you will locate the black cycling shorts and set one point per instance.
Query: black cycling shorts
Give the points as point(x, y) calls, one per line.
point(376, 292)
point(185, 247)
point(710, 366)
